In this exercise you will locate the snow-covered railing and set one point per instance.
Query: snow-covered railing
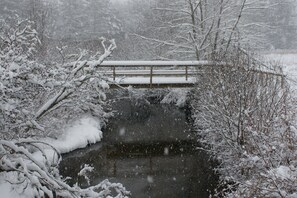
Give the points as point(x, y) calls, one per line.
point(154, 68)
point(158, 63)
point(164, 69)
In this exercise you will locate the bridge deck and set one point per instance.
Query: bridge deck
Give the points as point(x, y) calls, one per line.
point(158, 82)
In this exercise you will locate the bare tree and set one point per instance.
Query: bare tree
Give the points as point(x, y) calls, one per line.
point(197, 28)
point(187, 29)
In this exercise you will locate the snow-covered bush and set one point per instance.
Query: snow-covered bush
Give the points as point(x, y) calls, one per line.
point(243, 115)
point(35, 100)
point(40, 178)
point(21, 78)
point(34, 96)
point(87, 169)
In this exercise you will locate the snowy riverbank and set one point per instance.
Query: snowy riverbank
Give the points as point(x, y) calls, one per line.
point(83, 132)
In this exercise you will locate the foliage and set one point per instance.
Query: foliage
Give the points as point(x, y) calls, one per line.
point(196, 29)
point(33, 96)
point(243, 115)
point(36, 99)
point(21, 79)
point(190, 29)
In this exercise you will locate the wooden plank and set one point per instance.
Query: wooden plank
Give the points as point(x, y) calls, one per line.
point(157, 63)
point(148, 72)
point(157, 85)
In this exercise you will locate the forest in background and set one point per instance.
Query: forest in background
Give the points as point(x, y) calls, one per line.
point(153, 29)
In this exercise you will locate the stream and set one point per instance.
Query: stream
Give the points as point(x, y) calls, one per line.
point(149, 148)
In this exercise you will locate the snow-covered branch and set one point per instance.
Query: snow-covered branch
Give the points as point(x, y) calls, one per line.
point(36, 167)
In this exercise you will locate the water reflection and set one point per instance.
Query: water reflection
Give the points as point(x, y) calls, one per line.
point(150, 151)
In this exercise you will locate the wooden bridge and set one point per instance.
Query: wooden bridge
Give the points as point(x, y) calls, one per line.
point(160, 74)
point(153, 74)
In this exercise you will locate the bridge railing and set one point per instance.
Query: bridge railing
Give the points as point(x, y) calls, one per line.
point(153, 68)
point(165, 69)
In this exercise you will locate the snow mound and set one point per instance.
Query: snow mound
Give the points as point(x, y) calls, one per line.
point(48, 156)
point(84, 132)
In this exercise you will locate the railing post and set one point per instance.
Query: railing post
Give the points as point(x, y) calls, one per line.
point(282, 81)
point(114, 73)
point(186, 72)
point(151, 77)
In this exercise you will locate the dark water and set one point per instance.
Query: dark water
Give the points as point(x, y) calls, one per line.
point(150, 149)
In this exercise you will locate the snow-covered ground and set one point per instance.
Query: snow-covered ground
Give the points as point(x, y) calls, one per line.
point(7, 191)
point(289, 62)
point(287, 58)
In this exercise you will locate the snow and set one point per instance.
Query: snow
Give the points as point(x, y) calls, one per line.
point(47, 105)
point(166, 151)
point(177, 97)
point(282, 172)
point(150, 179)
point(148, 72)
point(84, 172)
point(50, 155)
point(288, 61)
point(84, 132)
point(156, 80)
point(122, 131)
point(7, 190)
point(87, 168)
point(157, 63)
